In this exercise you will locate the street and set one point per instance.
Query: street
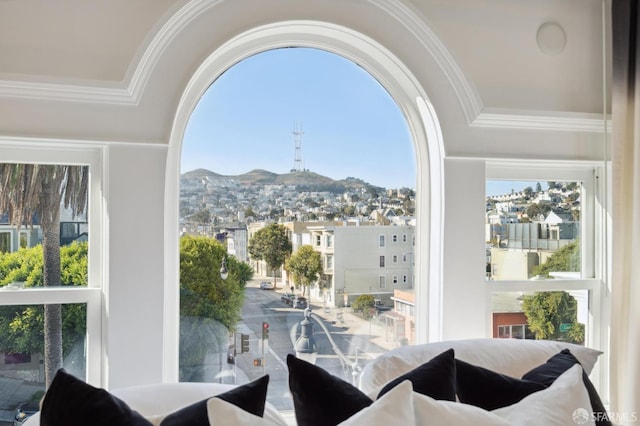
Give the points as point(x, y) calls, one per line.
point(351, 335)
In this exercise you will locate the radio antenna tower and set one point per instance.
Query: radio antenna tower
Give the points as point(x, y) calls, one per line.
point(297, 140)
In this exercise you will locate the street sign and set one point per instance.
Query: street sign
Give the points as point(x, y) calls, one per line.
point(565, 326)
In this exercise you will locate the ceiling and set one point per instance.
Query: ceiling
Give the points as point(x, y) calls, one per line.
point(517, 55)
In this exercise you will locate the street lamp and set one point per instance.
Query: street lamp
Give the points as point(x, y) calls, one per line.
point(224, 272)
point(305, 346)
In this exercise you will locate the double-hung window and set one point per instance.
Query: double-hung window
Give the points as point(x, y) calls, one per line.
point(26, 304)
point(545, 247)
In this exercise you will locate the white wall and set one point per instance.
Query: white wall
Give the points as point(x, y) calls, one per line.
point(135, 302)
point(464, 291)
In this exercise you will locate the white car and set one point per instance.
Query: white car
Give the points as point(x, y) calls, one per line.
point(266, 285)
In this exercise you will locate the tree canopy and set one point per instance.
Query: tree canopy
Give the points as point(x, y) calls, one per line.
point(547, 310)
point(365, 305)
point(566, 259)
point(305, 265)
point(272, 245)
point(552, 315)
point(203, 293)
point(22, 327)
point(209, 305)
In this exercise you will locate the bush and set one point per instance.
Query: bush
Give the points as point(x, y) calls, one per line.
point(363, 303)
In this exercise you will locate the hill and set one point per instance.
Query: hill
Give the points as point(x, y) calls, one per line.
point(303, 180)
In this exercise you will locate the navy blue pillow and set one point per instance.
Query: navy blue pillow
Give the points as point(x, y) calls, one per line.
point(320, 398)
point(69, 401)
point(548, 372)
point(435, 378)
point(250, 397)
point(489, 390)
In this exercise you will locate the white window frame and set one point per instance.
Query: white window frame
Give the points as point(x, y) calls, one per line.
point(382, 281)
point(593, 236)
point(381, 240)
point(424, 127)
point(53, 152)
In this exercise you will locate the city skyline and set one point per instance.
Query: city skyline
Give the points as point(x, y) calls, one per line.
point(247, 118)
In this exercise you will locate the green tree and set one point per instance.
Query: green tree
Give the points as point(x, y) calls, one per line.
point(305, 265)
point(566, 259)
point(22, 327)
point(202, 217)
point(203, 293)
point(547, 310)
point(534, 210)
point(36, 190)
point(538, 187)
point(272, 245)
point(365, 304)
point(209, 306)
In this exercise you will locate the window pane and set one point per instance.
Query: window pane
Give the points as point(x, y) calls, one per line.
point(533, 230)
point(5, 242)
point(22, 242)
point(22, 357)
point(343, 212)
point(548, 315)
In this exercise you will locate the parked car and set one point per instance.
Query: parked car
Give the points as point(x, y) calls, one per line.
point(300, 302)
point(287, 298)
point(380, 306)
point(267, 285)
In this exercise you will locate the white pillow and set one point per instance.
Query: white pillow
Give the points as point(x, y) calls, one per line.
point(555, 406)
point(223, 413)
point(560, 404)
point(393, 408)
point(512, 357)
point(429, 411)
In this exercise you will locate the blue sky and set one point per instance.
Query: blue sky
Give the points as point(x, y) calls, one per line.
point(499, 187)
point(351, 125)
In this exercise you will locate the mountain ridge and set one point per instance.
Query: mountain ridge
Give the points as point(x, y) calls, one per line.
point(264, 177)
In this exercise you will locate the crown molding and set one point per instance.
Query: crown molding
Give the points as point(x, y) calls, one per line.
point(64, 92)
point(92, 91)
point(535, 121)
point(468, 97)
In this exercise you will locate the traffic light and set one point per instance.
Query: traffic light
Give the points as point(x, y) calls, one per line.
point(265, 330)
point(244, 343)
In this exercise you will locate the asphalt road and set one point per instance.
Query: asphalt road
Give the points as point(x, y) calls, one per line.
point(265, 306)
